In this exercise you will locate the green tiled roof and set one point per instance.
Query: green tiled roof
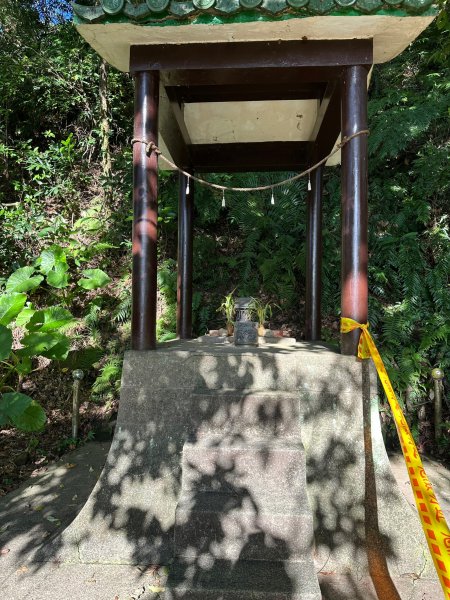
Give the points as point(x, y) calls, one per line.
point(150, 11)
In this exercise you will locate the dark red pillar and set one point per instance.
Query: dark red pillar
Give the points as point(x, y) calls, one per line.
point(185, 253)
point(354, 287)
point(314, 258)
point(145, 203)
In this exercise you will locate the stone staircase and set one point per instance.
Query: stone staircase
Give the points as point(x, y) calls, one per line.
point(243, 526)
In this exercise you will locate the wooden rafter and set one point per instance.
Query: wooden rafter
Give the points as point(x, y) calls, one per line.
point(247, 92)
point(252, 55)
point(249, 71)
point(171, 133)
point(328, 122)
point(254, 156)
point(222, 76)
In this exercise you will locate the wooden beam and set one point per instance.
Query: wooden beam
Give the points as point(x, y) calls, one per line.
point(246, 157)
point(246, 93)
point(263, 76)
point(170, 132)
point(251, 55)
point(177, 112)
point(324, 106)
point(328, 122)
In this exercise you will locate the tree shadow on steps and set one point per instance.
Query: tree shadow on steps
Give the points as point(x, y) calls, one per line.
point(207, 469)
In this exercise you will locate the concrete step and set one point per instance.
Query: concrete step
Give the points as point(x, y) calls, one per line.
point(234, 527)
point(190, 366)
point(220, 463)
point(211, 579)
point(249, 415)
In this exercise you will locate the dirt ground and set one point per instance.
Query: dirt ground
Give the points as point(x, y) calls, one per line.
point(24, 454)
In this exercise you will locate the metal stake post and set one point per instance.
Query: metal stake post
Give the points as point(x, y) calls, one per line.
point(438, 376)
point(77, 378)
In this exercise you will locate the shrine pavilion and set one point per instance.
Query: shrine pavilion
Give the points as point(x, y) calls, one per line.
point(250, 85)
point(254, 472)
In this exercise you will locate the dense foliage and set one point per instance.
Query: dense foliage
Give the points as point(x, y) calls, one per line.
point(66, 179)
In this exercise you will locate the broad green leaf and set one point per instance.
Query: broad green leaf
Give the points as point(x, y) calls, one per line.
point(45, 231)
point(49, 344)
point(25, 315)
point(10, 306)
point(50, 258)
point(61, 350)
point(23, 281)
point(32, 419)
point(83, 359)
point(95, 278)
point(58, 277)
point(24, 366)
point(50, 319)
point(6, 341)
point(36, 321)
point(13, 404)
point(87, 224)
point(100, 247)
point(166, 337)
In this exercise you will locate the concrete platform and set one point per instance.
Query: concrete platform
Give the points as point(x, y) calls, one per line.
point(21, 577)
point(130, 514)
point(32, 519)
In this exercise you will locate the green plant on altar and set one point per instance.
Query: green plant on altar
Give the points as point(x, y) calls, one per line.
point(261, 311)
point(228, 309)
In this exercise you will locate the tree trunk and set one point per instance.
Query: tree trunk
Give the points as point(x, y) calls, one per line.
point(104, 120)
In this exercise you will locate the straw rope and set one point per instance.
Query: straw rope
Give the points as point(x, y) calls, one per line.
point(151, 147)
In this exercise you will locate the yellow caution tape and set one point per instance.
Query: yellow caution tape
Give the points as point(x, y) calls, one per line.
point(433, 521)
